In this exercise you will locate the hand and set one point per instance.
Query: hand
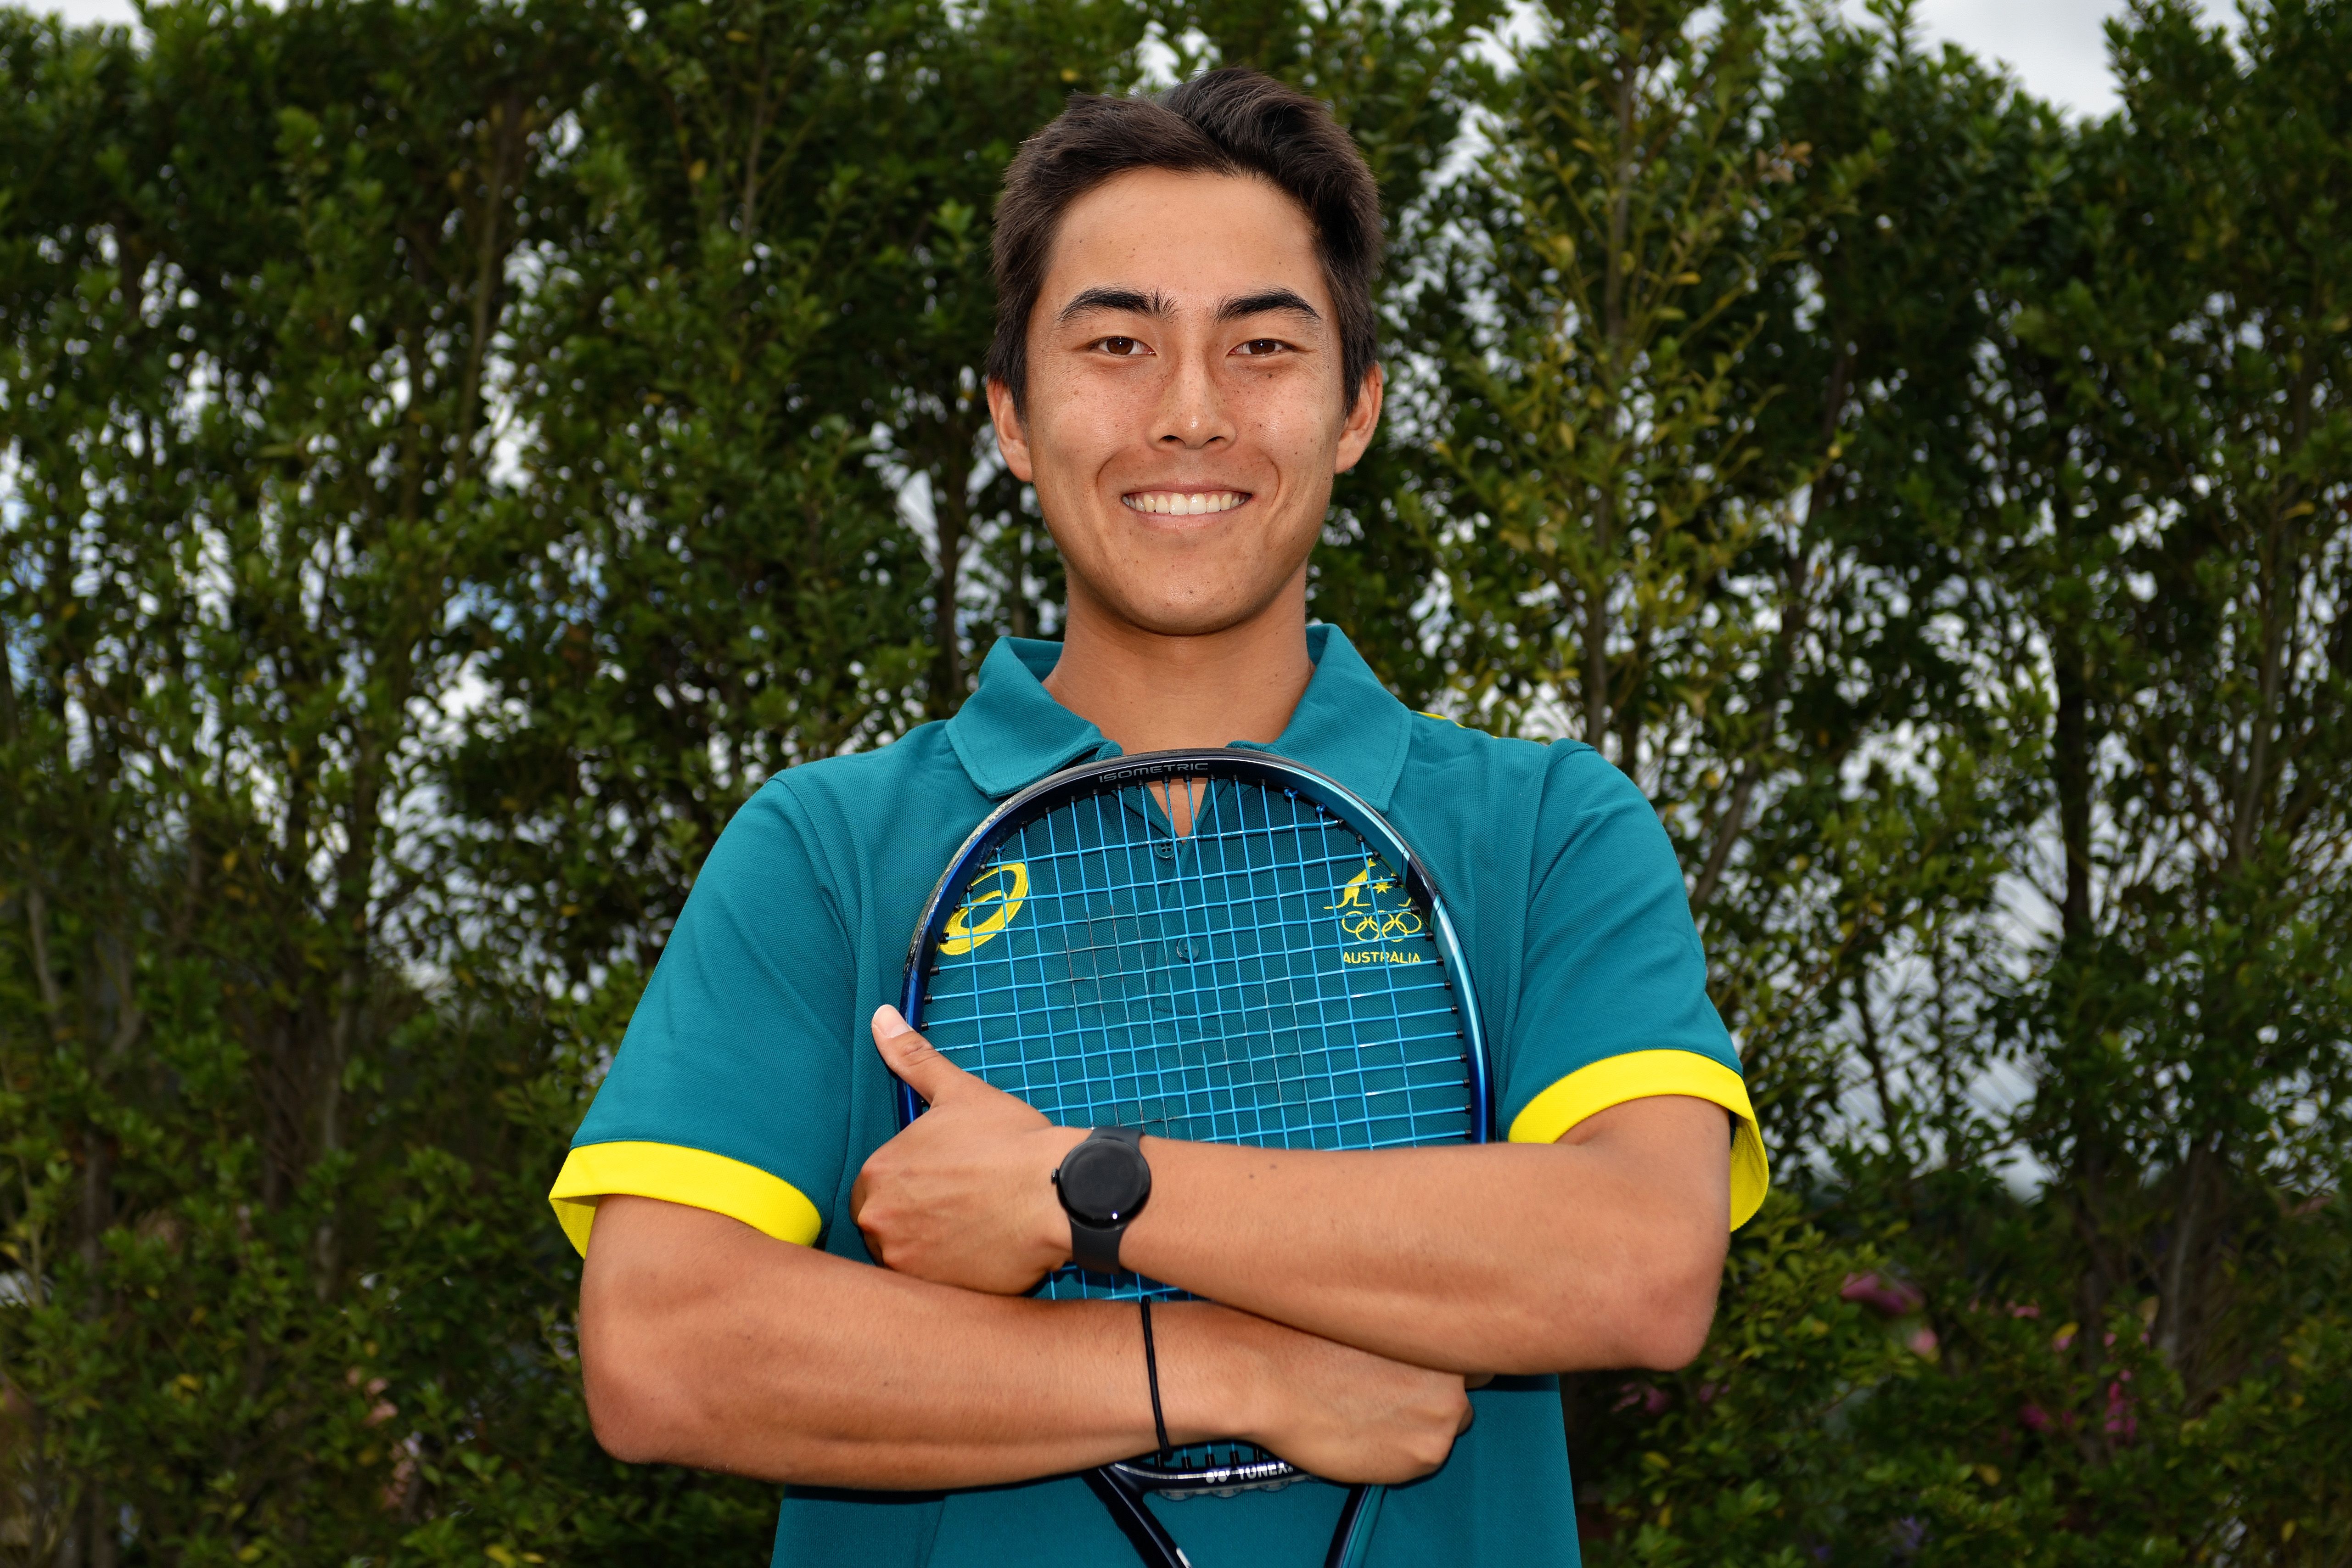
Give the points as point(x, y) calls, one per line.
point(1334, 1411)
point(965, 1196)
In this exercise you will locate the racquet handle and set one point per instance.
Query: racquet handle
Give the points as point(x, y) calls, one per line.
point(1353, 1535)
point(1135, 1521)
point(1350, 1539)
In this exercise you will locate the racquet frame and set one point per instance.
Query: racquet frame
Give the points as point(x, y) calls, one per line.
point(1122, 1484)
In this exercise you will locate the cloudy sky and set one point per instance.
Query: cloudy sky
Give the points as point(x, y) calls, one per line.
point(2055, 46)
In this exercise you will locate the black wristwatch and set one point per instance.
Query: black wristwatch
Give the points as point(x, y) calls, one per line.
point(1104, 1183)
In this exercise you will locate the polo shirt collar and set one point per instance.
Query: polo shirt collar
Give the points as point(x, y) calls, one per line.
point(1011, 731)
point(1346, 725)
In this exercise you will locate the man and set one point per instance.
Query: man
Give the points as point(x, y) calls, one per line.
point(1183, 361)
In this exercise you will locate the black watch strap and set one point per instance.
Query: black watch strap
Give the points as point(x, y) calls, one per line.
point(1093, 1246)
point(1096, 1247)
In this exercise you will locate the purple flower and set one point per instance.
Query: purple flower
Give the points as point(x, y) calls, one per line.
point(1888, 1298)
point(2121, 1424)
point(1653, 1399)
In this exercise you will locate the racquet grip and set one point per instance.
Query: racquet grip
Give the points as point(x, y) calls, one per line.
point(1144, 1532)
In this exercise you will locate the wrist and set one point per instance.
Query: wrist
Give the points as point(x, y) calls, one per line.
point(1049, 1222)
point(1215, 1374)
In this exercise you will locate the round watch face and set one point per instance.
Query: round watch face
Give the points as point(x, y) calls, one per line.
point(1102, 1182)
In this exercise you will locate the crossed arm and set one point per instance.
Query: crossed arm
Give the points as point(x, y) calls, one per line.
point(1357, 1296)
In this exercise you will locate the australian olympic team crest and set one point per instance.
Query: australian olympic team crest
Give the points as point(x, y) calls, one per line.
point(1377, 923)
point(995, 897)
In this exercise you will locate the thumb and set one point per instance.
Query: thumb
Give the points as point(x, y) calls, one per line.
point(912, 1057)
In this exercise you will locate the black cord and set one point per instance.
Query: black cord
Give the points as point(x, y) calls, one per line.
point(1152, 1370)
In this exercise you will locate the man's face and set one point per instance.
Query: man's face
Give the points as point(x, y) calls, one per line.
point(1184, 415)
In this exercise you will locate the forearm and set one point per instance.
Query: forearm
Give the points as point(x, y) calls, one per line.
point(1601, 1251)
point(1514, 1258)
point(726, 1350)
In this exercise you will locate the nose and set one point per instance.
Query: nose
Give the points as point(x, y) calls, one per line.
point(1193, 416)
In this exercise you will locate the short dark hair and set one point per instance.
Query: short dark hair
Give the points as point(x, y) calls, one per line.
point(1229, 121)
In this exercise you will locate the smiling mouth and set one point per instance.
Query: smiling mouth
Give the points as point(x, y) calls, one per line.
point(1183, 503)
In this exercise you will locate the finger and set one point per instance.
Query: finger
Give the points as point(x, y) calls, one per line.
point(910, 1056)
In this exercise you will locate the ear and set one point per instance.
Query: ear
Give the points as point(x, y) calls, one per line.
point(1356, 434)
point(1012, 435)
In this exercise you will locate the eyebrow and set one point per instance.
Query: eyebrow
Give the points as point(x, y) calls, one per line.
point(1264, 300)
point(1134, 301)
point(1131, 301)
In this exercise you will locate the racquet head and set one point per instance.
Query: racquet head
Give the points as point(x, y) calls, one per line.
point(1218, 946)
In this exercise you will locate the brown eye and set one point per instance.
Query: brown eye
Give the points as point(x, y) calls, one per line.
point(1124, 347)
point(1259, 347)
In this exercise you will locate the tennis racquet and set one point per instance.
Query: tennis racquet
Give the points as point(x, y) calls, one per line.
point(1284, 974)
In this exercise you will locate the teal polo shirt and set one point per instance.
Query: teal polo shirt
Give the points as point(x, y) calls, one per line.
point(748, 1084)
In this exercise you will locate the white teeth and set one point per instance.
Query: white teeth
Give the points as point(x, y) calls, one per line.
point(1172, 503)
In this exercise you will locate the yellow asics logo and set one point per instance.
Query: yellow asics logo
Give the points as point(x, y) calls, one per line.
point(995, 897)
point(1366, 915)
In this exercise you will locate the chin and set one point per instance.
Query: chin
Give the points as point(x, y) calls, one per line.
point(1188, 617)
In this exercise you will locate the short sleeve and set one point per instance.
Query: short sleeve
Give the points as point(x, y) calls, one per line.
point(1613, 1002)
point(731, 1090)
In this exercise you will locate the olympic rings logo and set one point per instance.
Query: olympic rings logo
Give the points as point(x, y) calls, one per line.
point(1365, 917)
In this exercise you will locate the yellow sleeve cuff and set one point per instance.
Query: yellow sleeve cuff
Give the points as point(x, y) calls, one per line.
point(1638, 1075)
point(695, 1177)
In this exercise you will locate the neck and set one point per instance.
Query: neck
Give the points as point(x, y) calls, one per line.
point(1150, 692)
